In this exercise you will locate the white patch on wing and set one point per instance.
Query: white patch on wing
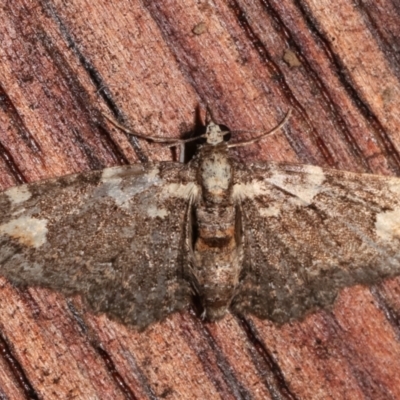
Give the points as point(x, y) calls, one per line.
point(18, 194)
point(153, 175)
point(394, 185)
point(304, 186)
point(34, 269)
point(122, 187)
point(28, 231)
point(180, 190)
point(387, 225)
point(111, 174)
point(18, 212)
point(249, 190)
point(271, 211)
point(153, 212)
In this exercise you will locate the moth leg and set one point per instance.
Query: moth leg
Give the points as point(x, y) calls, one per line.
point(182, 153)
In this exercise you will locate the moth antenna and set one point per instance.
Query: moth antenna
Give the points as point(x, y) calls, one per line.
point(271, 132)
point(171, 141)
point(209, 115)
point(182, 141)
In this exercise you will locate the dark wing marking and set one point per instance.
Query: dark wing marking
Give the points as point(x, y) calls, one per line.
point(309, 232)
point(114, 236)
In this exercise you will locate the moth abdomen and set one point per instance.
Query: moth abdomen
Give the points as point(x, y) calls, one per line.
point(217, 242)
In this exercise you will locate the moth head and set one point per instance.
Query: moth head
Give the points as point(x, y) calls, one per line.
point(214, 134)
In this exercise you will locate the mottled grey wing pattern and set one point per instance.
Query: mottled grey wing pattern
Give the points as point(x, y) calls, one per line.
point(114, 236)
point(309, 232)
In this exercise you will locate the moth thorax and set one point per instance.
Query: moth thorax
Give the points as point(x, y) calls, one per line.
point(216, 177)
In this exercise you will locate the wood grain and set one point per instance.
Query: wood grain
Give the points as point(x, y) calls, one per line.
point(149, 64)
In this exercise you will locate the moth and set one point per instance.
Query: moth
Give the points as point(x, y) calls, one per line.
point(139, 242)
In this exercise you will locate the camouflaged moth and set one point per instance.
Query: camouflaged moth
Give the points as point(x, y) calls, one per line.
point(139, 241)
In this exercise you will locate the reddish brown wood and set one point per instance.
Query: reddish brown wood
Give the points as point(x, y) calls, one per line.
point(154, 64)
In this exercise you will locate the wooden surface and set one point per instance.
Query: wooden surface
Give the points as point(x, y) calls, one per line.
point(155, 65)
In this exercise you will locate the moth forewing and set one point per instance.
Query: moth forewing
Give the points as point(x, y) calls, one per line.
point(317, 230)
point(113, 236)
